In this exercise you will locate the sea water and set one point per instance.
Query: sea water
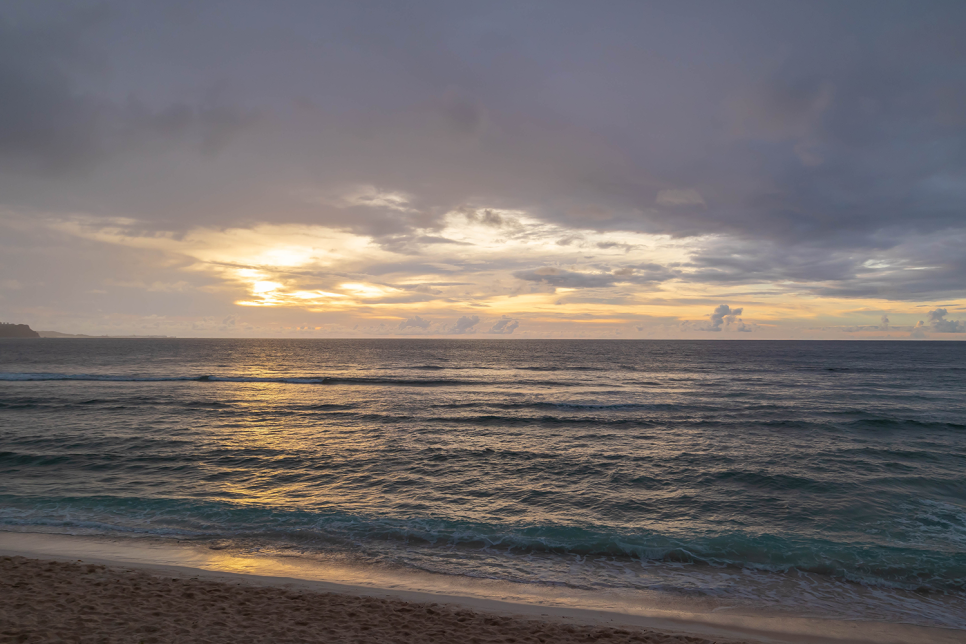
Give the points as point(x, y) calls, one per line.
point(823, 478)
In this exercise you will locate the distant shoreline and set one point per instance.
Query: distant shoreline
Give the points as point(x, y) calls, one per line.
point(55, 335)
point(58, 334)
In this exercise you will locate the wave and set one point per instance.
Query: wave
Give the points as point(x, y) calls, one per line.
point(563, 368)
point(909, 568)
point(299, 380)
point(313, 380)
point(559, 405)
point(901, 423)
point(510, 367)
point(513, 421)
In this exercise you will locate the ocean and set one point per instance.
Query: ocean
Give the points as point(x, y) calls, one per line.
point(826, 479)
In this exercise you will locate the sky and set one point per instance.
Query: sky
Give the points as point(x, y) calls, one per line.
point(717, 170)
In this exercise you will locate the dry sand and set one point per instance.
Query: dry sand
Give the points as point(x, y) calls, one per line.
point(52, 601)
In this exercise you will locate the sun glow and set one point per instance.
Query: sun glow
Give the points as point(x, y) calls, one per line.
point(366, 291)
point(487, 264)
point(261, 288)
point(285, 257)
point(315, 295)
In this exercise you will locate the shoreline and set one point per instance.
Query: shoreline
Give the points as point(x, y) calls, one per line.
point(515, 601)
point(47, 600)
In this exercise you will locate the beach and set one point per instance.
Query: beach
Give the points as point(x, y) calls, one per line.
point(75, 589)
point(73, 601)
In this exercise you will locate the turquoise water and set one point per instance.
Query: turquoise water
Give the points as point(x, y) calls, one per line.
point(823, 475)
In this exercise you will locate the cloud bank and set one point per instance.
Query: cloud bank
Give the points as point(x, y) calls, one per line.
point(334, 166)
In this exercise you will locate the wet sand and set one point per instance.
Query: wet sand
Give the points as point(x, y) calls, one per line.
point(49, 601)
point(80, 589)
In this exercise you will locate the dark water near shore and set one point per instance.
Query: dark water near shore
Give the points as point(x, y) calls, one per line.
point(825, 476)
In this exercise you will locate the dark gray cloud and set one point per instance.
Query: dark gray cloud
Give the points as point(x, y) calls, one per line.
point(411, 244)
point(564, 278)
point(913, 268)
point(818, 141)
point(487, 217)
point(53, 123)
point(45, 126)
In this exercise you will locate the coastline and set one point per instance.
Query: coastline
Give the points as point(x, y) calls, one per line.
point(515, 601)
point(77, 601)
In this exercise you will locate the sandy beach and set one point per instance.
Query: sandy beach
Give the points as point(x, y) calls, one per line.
point(48, 601)
point(81, 589)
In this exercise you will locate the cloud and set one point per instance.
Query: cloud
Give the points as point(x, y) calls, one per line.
point(676, 197)
point(606, 245)
point(51, 126)
point(919, 331)
point(372, 197)
point(939, 323)
point(505, 325)
point(830, 144)
point(464, 325)
point(507, 147)
point(567, 241)
point(910, 268)
point(488, 217)
point(415, 322)
point(412, 244)
point(724, 314)
point(936, 321)
point(723, 318)
point(564, 278)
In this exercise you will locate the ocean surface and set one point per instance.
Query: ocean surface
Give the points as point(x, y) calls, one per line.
point(823, 478)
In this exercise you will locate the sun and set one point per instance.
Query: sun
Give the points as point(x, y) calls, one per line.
point(265, 287)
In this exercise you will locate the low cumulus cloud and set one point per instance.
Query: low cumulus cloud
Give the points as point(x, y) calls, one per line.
point(937, 321)
point(414, 322)
point(505, 325)
point(885, 324)
point(723, 318)
point(726, 316)
point(465, 324)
